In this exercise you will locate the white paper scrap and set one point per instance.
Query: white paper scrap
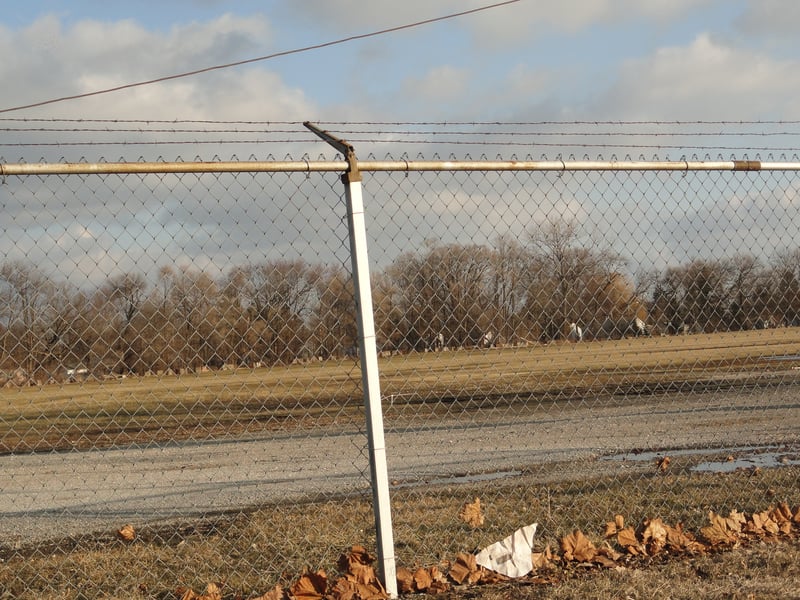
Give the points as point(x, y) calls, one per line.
point(512, 556)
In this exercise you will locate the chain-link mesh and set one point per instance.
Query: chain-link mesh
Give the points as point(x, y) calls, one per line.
point(179, 354)
point(551, 338)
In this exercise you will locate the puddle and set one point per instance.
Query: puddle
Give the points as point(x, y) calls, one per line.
point(752, 461)
point(738, 457)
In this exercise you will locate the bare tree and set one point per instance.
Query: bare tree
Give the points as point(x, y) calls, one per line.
point(567, 276)
point(126, 293)
point(279, 297)
point(25, 295)
point(334, 322)
point(192, 299)
point(443, 290)
point(509, 262)
point(786, 283)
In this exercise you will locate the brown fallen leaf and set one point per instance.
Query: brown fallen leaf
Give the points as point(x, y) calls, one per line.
point(628, 540)
point(679, 540)
point(542, 560)
point(405, 580)
point(358, 565)
point(439, 583)
point(782, 514)
point(663, 463)
point(577, 546)
point(127, 533)
point(722, 530)
point(654, 536)
point(213, 592)
point(465, 569)
point(763, 524)
point(348, 589)
point(472, 514)
point(609, 552)
point(422, 580)
point(310, 586)
point(275, 593)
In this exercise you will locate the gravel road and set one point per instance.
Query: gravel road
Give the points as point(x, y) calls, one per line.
point(53, 495)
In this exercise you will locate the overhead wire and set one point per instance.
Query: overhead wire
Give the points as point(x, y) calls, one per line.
point(260, 58)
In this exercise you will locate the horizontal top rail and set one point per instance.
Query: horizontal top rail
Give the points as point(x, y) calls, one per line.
point(304, 166)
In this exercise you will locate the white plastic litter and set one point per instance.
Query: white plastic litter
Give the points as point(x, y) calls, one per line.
point(512, 556)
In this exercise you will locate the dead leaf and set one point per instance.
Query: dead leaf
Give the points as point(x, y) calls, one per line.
point(577, 546)
point(213, 592)
point(275, 593)
point(615, 526)
point(472, 514)
point(422, 580)
point(310, 586)
point(782, 513)
point(358, 564)
point(439, 583)
point(763, 524)
point(654, 536)
point(542, 560)
point(604, 561)
point(736, 520)
point(680, 541)
point(127, 533)
point(349, 589)
point(464, 568)
point(663, 464)
point(721, 531)
point(405, 581)
point(628, 540)
point(186, 593)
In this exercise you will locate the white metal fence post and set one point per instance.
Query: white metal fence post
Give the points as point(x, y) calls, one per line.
point(368, 354)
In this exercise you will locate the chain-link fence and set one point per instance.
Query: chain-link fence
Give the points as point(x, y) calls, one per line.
point(180, 354)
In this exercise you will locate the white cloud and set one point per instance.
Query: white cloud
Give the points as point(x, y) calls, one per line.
point(515, 22)
point(771, 18)
point(46, 60)
point(706, 79)
point(440, 84)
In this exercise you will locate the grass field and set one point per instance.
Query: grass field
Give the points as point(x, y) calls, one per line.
point(209, 405)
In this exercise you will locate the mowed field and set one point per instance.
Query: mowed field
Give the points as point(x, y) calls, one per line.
point(97, 414)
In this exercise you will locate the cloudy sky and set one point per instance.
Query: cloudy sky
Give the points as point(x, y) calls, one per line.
point(527, 61)
point(532, 61)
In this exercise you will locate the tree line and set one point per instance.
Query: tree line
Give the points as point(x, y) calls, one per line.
point(442, 295)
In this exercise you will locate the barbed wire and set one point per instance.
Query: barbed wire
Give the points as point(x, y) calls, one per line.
point(487, 133)
point(27, 132)
point(406, 123)
point(419, 142)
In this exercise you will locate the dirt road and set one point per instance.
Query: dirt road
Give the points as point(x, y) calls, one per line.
point(53, 495)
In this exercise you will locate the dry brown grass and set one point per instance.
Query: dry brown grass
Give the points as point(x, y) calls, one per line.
point(253, 550)
point(216, 404)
